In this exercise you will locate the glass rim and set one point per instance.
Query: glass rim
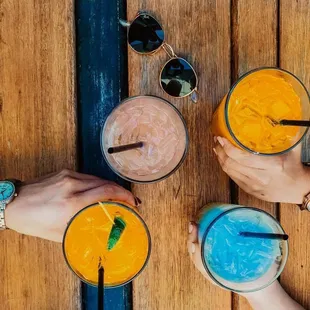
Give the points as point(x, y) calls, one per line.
point(166, 175)
point(162, 69)
point(227, 105)
point(205, 265)
point(120, 204)
point(161, 27)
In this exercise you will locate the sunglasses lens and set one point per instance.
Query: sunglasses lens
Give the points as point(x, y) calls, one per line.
point(178, 78)
point(145, 34)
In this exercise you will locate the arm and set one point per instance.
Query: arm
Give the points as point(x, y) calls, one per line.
point(272, 297)
point(44, 206)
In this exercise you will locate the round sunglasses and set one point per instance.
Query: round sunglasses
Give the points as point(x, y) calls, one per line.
point(177, 77)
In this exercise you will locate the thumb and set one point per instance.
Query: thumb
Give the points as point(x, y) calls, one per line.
point(295, 153)
point(104, 192)
point(193, 233)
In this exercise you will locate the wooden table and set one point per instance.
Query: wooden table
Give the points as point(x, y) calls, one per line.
point(38, 125)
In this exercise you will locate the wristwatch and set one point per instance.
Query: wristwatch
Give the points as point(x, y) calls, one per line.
point(305, 203)
point(7, 194)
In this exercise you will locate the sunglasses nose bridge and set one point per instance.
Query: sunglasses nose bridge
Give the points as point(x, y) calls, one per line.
point(169, 50)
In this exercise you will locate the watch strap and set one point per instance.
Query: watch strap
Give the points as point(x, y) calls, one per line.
point(305, 203)
point(2, 220)
point(17, 183)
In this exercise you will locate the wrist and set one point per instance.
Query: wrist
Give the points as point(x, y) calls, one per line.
point(302, 187)
point(273, 297)
point(9, 215)
point(264, 293)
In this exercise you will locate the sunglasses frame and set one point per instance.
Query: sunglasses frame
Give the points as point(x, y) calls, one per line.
point(169, 51)
point(162, 69)
point(152, 52)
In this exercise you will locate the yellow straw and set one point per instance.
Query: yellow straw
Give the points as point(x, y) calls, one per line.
point(106, 212)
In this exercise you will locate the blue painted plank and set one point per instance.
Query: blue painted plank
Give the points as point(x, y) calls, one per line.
point(115, 299)
point(102, 83)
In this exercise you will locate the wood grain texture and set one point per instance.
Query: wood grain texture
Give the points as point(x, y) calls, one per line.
point(295, 57)
point(254, 38)
point(199, 31)
point(37, 136)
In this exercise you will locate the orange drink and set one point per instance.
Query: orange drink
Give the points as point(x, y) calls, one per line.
point(247, 113)
point(93, 237)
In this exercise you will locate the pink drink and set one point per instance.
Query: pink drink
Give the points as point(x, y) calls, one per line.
point(161, 128)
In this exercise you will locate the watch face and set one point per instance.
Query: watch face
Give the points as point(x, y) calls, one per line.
point(7, 190)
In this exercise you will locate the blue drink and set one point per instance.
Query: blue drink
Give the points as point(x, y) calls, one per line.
point(235, 262)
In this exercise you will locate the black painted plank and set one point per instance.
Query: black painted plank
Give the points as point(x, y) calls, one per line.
point(102, 83)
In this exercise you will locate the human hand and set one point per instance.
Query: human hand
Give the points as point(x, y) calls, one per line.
point(44, 206)
point(274, 178)
point(194, 250)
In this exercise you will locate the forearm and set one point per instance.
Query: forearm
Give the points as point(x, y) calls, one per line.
point(272, 298)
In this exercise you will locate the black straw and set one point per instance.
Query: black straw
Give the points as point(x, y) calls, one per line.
point(287, 122)
point(123, 148)
point(101, 288)
point(263, 235)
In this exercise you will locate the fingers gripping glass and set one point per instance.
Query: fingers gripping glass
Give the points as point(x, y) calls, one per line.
point(146, 36)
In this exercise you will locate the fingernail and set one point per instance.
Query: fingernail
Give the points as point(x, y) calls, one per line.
point(215, 139)
point(214, 150)
point(137, 201)
point(220, 141)
point(193, 248)
point(190, 227)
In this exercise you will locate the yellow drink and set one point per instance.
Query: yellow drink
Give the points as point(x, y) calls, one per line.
point(86, 242)
point(245, 115)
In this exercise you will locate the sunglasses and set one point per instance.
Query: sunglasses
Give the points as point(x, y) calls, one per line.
point(177, 77)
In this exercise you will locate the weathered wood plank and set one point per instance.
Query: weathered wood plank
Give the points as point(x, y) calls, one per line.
point(38, 135)
point(199, 31)
point(295, 57)
point(254, 45)
point(102, 84)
